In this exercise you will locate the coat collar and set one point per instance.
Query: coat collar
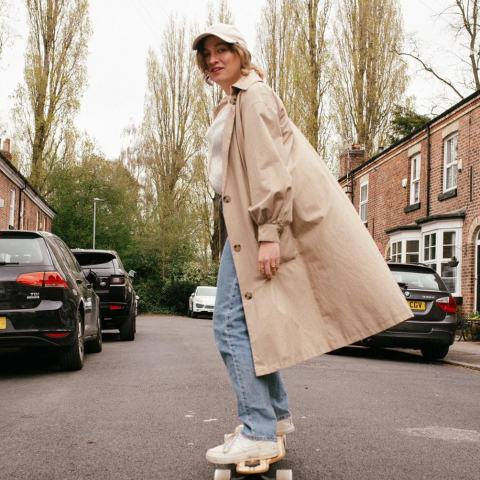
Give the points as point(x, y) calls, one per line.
point(245, 82)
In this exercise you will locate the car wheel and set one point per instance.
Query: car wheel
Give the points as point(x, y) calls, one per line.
point(194, 314)
point(189, 313)
point(72, 357)
point(127, 328)
point(95, 346)
point(435, 353)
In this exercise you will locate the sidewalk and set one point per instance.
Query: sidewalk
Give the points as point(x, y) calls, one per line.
point(463, 354)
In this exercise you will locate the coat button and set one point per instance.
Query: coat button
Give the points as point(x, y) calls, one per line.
point(226, 199)
point(248, 295)
point(237, 248)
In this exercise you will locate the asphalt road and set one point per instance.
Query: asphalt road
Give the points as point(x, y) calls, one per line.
point(149, 409)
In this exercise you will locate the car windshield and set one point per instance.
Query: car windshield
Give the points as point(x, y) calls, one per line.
point(97, 259)
point(207, 291)
point(418, 279)
point(19, 250)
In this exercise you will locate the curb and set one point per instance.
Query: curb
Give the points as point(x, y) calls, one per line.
point(459, 364)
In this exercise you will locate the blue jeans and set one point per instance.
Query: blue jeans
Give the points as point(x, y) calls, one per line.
point(261, 401)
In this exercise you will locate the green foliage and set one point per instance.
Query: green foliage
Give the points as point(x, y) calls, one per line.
point(405, 121)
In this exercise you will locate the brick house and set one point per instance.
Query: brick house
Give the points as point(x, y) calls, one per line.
point(21, 207)
point(420, 197)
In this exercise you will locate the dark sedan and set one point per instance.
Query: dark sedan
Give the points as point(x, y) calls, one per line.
point(118, 301)
point(432, 328)
point(45, 298)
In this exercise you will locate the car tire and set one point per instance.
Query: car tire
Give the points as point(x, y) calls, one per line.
point(127, 328)
point(95, 346)
point(189, 313)
point(435, 353)
point(194, 314)
point(72, 357)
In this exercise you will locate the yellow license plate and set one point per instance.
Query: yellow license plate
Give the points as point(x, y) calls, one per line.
point(3, 323)
point(414, 305)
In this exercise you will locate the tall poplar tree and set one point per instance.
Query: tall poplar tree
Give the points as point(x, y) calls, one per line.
point(54, 80)
point(368, 76)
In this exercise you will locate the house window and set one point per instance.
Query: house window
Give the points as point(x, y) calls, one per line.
point(22, 215)
point(364, 202)
point(44, 224)
point(37, 224)
point(412, 254)
point(11, 222)
point(449, 274)
point(396, 256)
point(415, 181)
point(430, 250)
point(450, 168)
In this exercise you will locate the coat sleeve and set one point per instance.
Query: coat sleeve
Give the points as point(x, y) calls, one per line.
point(270, 182)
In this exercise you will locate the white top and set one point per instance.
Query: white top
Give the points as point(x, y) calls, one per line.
point(215, 137)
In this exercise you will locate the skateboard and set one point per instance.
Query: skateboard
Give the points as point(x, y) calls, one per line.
point(257, 467)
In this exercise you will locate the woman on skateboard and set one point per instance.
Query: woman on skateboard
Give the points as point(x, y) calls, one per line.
point(299, 274)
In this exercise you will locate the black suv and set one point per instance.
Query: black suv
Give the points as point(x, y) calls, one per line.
point(432, 329)
point(118, 301)
point(45, 298)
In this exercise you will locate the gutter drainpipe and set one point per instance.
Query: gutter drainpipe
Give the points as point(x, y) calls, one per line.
point(429, 168)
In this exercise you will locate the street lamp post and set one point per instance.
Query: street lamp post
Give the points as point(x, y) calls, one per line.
point(95, 200)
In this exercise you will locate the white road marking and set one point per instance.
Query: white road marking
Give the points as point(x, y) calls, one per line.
point(189, 416)
point(443, 433)
point(210, 420)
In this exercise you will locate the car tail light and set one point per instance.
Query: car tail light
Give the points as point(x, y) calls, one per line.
point(117, 281)
point(115, 307)
point(447, 304)
point(42, 279)
point(34, 279)
point(56, 335)
point(54, 279)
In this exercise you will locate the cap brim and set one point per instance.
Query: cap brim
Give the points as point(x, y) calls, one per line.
point(205, 35)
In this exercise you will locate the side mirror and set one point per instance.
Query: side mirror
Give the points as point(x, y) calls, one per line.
point(132, 273)
point(192, 294)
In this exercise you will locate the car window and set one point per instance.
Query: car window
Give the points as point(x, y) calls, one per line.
point(95, 259)
point(68, 256)
point(18, 249)
point(207, 291)
point(418, 279)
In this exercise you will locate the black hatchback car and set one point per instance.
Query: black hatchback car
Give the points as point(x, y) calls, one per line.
point(45, 298)
point(118, 301)
point(432, 328)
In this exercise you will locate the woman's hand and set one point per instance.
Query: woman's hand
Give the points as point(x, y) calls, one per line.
point(269, 258)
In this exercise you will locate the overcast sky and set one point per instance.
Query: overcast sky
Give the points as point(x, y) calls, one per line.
point(123, 32)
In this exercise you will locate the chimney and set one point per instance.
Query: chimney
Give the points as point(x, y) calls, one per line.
point(351, 158)
point(6, 149)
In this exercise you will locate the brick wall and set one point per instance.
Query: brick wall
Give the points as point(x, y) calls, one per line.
point(388, 198)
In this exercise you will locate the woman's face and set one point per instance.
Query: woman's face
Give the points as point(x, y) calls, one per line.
point(223, 64)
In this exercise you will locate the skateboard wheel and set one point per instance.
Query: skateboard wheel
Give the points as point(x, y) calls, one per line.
point(284, 475)
point(222, 474)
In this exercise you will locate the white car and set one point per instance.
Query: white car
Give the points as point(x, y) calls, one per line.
point(202, 301)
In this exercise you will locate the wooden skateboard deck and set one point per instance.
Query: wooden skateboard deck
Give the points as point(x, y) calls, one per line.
point(257, 467)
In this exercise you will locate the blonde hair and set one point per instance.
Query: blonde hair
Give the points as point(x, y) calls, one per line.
point(246, 65)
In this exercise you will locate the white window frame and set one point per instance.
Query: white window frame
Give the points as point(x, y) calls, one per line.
point(415, 179)
point(38, 221)
point(450, 161)
point(363, 207)
point(403, 238)
point(396, 251)
point(440, 227)
point(11, 221)
point(22, 215)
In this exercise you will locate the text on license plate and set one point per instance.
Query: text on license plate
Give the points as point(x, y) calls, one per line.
point(3, 323)
point(414, 305)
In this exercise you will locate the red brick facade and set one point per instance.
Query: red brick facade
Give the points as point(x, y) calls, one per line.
point(21, 207)
point(440, 217)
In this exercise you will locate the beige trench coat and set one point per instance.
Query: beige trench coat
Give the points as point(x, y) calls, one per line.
point(333, 287)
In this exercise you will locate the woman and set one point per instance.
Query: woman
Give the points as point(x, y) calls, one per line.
point(299, 274)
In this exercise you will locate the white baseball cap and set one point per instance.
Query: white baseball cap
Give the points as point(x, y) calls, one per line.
point(228, 33)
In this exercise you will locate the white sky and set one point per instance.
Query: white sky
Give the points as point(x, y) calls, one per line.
point(123, 32)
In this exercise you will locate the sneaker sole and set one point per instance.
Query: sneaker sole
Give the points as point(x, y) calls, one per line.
point(223, 460)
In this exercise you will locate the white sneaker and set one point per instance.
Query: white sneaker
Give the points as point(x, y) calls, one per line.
point(240, 449)
point(284, 427)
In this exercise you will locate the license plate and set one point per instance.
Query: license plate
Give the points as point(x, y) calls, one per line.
point(414, 305)
point(3, 323)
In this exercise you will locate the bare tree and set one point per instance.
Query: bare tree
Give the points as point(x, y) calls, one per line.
point(293, 48)
point(368, 76)
point(54, 81)
point(7, 33)
point(462, 18)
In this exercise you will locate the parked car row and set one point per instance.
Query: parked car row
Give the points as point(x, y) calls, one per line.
point(48, 299)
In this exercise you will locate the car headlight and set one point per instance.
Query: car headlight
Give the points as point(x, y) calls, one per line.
point(198, 305)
